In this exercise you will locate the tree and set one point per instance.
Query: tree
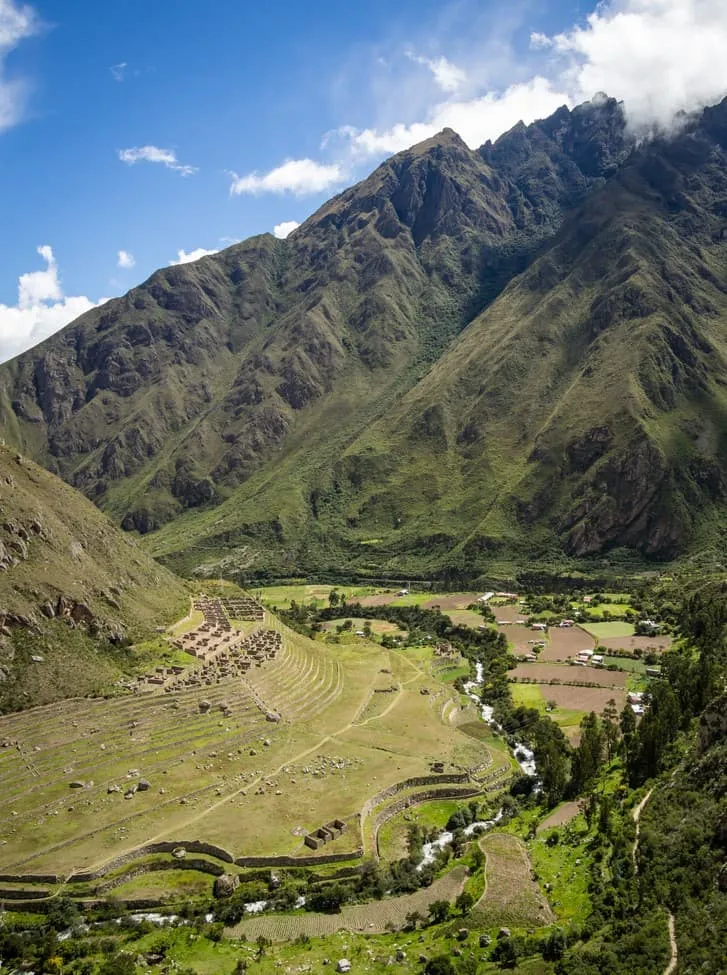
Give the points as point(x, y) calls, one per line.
point(62, 914)
point(122, 963)
point(588, 755)
point(464, 902)
point(609, 718)
point(439, 965)
point(333, 598)
point(553, 769)
point(439, 911)
point(414, 919)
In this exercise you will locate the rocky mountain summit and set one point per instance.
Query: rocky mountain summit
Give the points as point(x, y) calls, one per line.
point(518, 350)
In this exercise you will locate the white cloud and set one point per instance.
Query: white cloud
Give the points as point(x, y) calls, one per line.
point(661, 57)
point(447, 75)
point(285, 229)
point(17, 22)
point(297, 176)
point(125, 259)
point(153, 154)
point(540, 41)
point(184, 257)
point(475, 119)
point(118, 70)
point(42, 308)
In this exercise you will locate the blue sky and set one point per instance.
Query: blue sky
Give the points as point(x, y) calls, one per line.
point(151, 127)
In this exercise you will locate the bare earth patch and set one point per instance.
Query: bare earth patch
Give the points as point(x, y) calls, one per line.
point(584, 698)
point(370, 918)
point(544, 673)
point(457, 600)
point(511, 895)
point(655, 644)
point(380, 599)
point(565, 642)
point(565, 812)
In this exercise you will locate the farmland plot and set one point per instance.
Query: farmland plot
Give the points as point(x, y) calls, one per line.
point(511, 895)
point(373, 918)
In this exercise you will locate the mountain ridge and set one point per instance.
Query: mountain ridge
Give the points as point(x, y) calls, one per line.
point(249, 409)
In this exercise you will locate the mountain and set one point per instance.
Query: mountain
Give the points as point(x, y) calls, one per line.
point(515, 353)
point(74, 590)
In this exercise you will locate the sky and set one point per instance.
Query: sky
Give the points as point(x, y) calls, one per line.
point(138, 134)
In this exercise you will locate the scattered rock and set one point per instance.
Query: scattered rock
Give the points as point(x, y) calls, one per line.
point(76, 785)
point(463, 934)
point(485, 941)
point(113, 788)
point(143, 785)
point(204, 707)
point(343, 965)
point(503, 933)
point(225, 885)
point(179, 853)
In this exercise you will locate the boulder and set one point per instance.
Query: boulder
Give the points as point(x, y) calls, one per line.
point(343, 965)
point(143, 785)
point(225, 885)
point(75, 785)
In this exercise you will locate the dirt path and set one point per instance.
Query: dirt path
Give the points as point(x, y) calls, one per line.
point(671, 967)
point(637, 819)
point(674, 954)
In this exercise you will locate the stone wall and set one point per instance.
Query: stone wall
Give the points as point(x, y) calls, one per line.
point(165, 846)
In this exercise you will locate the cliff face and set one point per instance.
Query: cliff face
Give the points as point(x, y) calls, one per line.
point(515, 349)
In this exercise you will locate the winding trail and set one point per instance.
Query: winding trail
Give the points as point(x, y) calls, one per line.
point(671, 967)
point(637, 819)
point(674, 953)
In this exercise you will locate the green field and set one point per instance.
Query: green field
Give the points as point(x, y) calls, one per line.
point(536, 696)
point(282, 596)
point(612, 628)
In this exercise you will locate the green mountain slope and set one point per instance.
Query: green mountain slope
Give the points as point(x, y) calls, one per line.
point(74, 590)
point(516, 352)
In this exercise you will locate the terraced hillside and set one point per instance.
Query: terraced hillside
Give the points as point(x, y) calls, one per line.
point(248, 763)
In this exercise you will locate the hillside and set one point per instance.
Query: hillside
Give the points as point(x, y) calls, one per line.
point(74, 590)
point(468, 358)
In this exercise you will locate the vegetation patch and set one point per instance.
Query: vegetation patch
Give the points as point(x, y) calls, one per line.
point(511, 895)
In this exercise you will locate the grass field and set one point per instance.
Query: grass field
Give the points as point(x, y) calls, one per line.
point(243, 783)
point(465, 617)
point(378, 627)
point(537, 696)
point(369, 953)
point(282, 596)
point(614, 628)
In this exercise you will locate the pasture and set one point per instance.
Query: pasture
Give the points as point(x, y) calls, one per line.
point(614, 628)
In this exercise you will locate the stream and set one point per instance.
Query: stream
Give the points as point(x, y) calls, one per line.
point(523, 755)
